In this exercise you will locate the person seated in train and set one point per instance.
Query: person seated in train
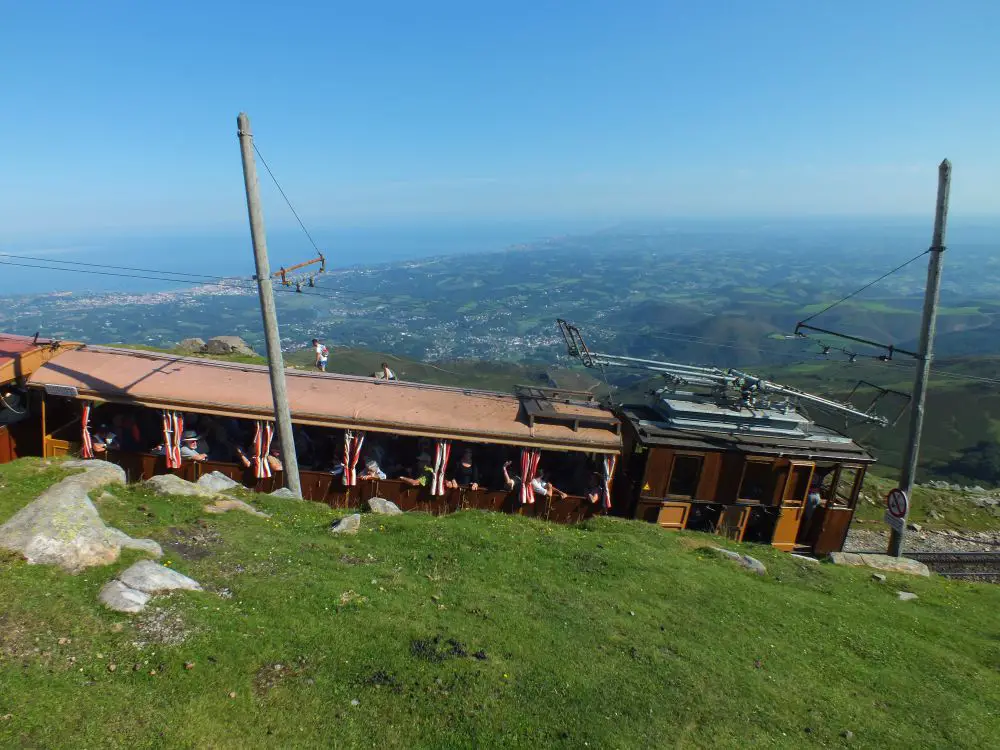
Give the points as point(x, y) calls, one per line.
point(510, 481)
point(102, 439)
point(127, 429)
point(372, 471)
point(545, 488)
point(420, 474)
point(274, 459)
point(465, 473)
point(304, 449)
point(595, 490)
point(190, 447)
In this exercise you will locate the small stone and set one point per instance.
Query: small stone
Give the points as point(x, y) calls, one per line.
point(347, 525)
point(232, 695)
point(355, 702)
point(381, 506)
point(906, 596)
point(285, 493)
point(878, 578)
point(847, 734)
point(189, 665)
point(121, 598)
point(136, 667)
point(64, 641)
point(632, 613)
point(152, 578)
point(112, 667)
point(914, 526)
point(117, 627)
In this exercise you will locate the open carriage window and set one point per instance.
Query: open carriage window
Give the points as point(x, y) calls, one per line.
point(685, 475)
point(758, 482)
point(846, 482)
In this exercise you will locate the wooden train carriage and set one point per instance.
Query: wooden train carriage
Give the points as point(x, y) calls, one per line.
point(20, 356)
point(743, 476)
point(535, 419)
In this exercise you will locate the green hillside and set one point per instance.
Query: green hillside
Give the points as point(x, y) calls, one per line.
point(481, 630)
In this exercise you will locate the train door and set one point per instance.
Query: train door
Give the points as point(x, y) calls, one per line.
point(835, 518)
point(733, 522)
point(792, 508)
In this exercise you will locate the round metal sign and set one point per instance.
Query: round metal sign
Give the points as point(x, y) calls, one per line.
point(897, 503)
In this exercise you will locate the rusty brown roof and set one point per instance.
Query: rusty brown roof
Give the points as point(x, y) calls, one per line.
point(201, 385)
point(20, 355)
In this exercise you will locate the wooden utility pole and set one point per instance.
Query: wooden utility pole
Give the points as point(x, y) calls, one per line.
point(926, 351)
point(275, 361)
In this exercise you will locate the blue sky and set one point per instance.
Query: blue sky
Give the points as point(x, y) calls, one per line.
point(120, 116)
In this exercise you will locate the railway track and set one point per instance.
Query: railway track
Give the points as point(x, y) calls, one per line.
point(976, 566)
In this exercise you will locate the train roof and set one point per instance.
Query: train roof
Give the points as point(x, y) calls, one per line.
point(327, 399)
point(21, 355)
point(806, 440)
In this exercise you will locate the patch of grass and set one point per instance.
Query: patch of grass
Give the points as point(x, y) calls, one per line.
point(481, 629)
point(934, 509)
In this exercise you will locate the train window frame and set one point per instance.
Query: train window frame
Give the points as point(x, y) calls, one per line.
point(851, 499)
point(792, 467)
point(700, 457)
point(768, 497)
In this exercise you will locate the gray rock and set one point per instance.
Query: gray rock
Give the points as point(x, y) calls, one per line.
point(906, 596)
point(285, 493)
point(121, 598)
point(224, 505)
point(152, 578)
point(216, 481)
point(383, 507)
point(347, 525)
point(880, 562)
point(750, 563)
point(878, 577)
point(62, 527)
point(189, 346)
point(171, 484)
point(914, 526)
point(226, 345)
point(806, 558)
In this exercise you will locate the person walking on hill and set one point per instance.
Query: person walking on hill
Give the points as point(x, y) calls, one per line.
point(322, 354)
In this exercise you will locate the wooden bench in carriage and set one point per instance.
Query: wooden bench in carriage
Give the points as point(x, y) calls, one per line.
point(531, 422)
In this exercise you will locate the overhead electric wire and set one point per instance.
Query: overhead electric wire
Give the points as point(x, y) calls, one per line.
point(866, 286)
point(241, 284)
point(105, 265)
point(290, 206)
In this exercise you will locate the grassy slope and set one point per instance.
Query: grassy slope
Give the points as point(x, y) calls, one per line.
point(613, 634)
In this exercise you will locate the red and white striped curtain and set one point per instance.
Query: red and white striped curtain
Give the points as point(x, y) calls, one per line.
point(261, 449)
point(440, 466)
point(173, 427)
point(86, 441)
point(529, 467)
point(352, 454)
point(609, 473)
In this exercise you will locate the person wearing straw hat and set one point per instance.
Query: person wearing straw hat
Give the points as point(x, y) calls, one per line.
point(189, 446)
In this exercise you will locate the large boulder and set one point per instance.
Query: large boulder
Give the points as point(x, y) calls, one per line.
point(171, 484)
point(227, 345)
point(216, 481)
point(62, 527)
point(152, 578)
point(880, 562)
point(383, 507)
point(190, 346)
